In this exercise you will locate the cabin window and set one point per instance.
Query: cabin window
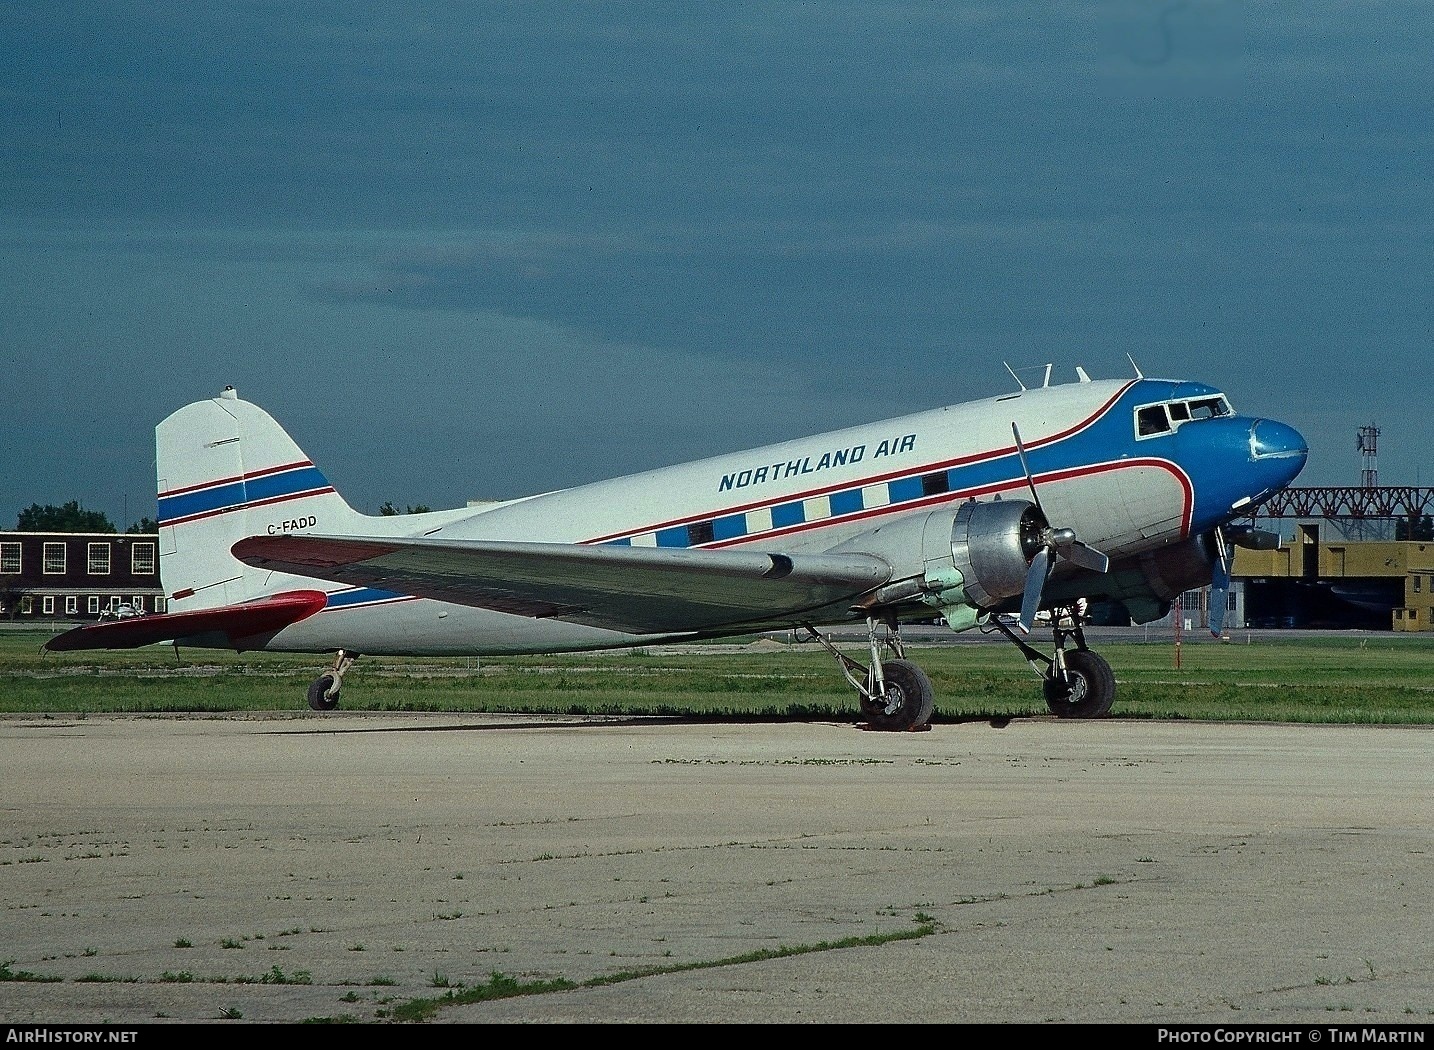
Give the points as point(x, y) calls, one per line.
point(934, 484)
point(1151, 420)
point(1179, 412)
point(53, 561)
point(141, 559)
point(699, 532)
point(10, 557)
point(99, 559)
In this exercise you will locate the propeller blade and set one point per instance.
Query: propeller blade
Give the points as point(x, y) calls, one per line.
point(1252, 538)
point(1078, 553)
point(1220, 583)
point(1035, 584)
point(1025, 467)
point(1054, 543)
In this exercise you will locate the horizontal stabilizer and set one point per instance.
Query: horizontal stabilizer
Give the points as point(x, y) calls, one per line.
point(640, 590)
point(236, 622)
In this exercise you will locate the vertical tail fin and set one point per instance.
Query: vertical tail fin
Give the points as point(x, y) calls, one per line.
point(227, 470)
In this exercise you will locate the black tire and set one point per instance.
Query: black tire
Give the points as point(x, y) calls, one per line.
point(320, 698)
point(1088, 691)
point(908, 685)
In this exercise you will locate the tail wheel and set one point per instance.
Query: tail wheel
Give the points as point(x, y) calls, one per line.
point(324, 692)
point(909, 698)
point(1088, 689)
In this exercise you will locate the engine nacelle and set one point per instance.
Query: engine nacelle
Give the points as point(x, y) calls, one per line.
point(1147, 583)
point(992, 545)
point(974, 555)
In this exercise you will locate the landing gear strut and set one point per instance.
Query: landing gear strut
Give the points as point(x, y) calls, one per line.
point(1077, 683)
point(324, 691)
point(895, 694)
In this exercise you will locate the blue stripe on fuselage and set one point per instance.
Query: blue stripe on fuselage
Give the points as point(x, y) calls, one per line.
point(1108, 437)
point(362, 596)
point(235, 494)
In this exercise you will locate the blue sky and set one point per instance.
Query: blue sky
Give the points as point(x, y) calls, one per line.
point(467, 251)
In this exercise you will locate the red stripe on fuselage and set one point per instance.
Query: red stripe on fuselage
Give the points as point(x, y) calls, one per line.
point(249, 476)
point(1016, 485)
point(247, 506)
point(876, 479)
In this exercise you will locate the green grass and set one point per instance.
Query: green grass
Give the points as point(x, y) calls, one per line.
point(501, 986)
point(1363, 679)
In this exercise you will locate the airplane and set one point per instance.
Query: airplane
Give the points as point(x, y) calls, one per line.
point(984, 515)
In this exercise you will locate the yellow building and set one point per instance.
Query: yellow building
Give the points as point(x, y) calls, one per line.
point(1388, 583)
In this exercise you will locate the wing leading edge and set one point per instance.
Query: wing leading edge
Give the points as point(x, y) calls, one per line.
point(634, 590)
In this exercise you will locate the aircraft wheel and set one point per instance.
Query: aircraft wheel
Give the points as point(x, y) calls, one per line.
point(1088, 691)
point(324, 692)
point(908, 685)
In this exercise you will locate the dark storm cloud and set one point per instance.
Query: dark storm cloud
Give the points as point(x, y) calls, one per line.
point(362, 212)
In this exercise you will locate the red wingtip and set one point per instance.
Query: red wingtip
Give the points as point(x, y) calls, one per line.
point(236, 622)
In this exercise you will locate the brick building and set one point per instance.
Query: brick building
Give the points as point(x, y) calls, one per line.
point(78, 576)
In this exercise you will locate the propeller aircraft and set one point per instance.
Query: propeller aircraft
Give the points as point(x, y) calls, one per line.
point(985, 515)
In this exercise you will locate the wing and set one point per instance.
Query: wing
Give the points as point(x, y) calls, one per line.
point(233, 622)
point(631, 589)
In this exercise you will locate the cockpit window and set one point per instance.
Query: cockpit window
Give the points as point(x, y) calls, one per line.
point(1209, 407)
point(1153, 420)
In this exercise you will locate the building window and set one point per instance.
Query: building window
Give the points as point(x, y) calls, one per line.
point(159, 605)
point(94, 604)
point(10, 557)
point(72, 605)
point(54, 559)
point(47, 605)
point(141, 559)
point(27, 605)
point(138, 602)
point(99, 559)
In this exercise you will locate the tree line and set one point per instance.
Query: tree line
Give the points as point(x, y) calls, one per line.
point(71, 517)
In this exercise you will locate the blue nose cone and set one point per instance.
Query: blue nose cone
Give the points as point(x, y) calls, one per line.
point(1278, 445)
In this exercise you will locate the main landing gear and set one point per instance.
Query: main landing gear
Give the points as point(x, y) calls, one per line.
point(896, 695)
point(324, 691)
point(1078, 683)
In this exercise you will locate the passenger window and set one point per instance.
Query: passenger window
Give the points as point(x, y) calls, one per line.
point(1151, 420)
